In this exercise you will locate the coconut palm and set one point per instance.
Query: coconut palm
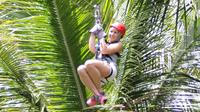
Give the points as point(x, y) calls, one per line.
point(160, 71)
point(43, 41)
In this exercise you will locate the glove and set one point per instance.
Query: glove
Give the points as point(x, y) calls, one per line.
point(97, 30)
point(101, 34)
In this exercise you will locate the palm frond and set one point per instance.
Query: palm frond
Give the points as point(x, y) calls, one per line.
point(72, 33)
point(12, 65)
point(150, 68)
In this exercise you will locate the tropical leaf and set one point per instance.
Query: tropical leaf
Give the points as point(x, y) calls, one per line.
point(52, 35)
point(155, 54)
point(12, 64)
point(43, 41)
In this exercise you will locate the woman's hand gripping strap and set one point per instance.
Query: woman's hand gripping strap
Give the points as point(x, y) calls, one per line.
point(97, 30)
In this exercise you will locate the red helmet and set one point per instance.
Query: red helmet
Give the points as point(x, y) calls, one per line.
point(120, 27)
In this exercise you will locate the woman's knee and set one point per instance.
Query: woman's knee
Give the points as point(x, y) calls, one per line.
point(89, 64)
point(81, 69)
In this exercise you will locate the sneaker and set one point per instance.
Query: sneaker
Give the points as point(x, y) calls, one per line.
point(92, 101)
point(102, 99)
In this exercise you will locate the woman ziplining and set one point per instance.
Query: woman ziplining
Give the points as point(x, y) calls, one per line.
point(96, 72)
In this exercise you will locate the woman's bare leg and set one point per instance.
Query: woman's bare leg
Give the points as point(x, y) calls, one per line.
point(86, 80)
point(95, 76)
point(96, 69)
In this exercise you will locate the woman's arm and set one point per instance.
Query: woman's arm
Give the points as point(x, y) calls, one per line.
point(92, 43)
point(110, 48)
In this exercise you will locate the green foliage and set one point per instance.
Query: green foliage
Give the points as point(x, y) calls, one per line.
point(161, 57)
point(52, 37)
point(43, 41)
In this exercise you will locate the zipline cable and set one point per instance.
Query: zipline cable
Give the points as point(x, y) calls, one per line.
point(97, 16)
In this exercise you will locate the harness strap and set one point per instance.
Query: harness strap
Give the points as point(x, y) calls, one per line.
point(107, 58)
point(111, 72)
